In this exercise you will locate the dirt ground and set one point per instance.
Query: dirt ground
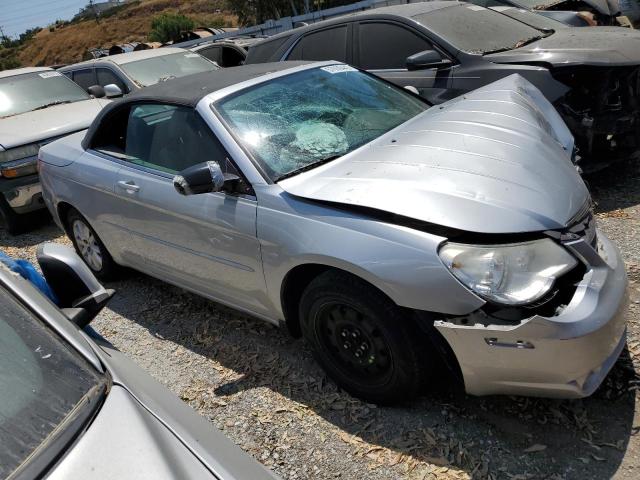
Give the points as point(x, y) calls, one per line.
point(263, 389)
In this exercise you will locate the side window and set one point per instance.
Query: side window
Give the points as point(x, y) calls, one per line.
point(85, 78)
point(231, 57)
point(386, 45)
point(212, 53)
point(166, 138)
point(330, 44)
point(106, 77)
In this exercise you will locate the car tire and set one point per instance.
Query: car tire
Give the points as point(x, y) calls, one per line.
point(363, 340)
point(89, 246)
point(14, 223)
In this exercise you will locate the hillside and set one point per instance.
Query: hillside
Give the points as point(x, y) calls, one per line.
point(131, 22)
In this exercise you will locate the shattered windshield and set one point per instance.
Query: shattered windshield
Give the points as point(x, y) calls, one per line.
point(33, 91)
point(165, 67)
point(475, 29)
point(301, 120)
point(43, 382)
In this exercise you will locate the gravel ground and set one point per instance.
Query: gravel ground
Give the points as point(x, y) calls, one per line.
point(263, 389)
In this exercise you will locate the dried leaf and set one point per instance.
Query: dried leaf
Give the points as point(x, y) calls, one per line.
point(538, 447)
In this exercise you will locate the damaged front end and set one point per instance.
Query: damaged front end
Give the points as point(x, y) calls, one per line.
point(601, 110)
point(562, 345)
point(594, 12)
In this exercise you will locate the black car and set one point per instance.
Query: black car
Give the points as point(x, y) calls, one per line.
point(445, 49)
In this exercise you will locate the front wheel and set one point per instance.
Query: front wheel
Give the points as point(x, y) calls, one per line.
point(90, 247)
point(363, 340)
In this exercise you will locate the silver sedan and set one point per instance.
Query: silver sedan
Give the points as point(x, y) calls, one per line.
point(399, 239)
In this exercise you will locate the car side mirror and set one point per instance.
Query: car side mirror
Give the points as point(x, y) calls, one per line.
point(97, 91)
point(80, 296)
point(204, 177)
point(112, 90)
point(426, 59)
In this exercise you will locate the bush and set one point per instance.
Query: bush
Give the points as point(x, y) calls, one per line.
point(169, 26)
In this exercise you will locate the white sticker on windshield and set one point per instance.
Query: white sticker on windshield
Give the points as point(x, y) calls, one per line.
point(475, 7)
point(50, 74)
point(338, 69)
point(191, 55)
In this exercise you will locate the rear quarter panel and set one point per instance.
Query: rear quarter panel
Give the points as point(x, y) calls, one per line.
point(83, 180)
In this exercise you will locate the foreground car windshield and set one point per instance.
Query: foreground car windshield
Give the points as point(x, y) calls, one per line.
point(43, 385)
point(31, 91)
point(300, 120)
point(475, 29)
point(153, 70)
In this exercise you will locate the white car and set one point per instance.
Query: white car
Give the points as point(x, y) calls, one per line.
point(126, 72)
point(37, 105)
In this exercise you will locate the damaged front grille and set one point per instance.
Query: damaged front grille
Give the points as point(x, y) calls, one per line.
point(585, 228)
point(602, 111)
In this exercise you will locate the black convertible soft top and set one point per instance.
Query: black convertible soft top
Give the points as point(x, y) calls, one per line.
point(189, 90)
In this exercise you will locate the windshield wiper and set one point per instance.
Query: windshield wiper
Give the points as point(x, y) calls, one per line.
point(51, 104)
point(306, 167)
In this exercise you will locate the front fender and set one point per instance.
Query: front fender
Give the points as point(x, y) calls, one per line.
point(400, 261)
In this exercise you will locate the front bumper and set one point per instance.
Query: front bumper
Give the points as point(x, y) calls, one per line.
point(23, 194)
point(567, 355)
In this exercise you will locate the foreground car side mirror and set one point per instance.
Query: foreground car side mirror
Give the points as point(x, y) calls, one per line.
point(97, 91)
point(80, 296)
point(112, 91)
point(426, 59)
point(204, 177)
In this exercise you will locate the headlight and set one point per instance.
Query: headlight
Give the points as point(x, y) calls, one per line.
point(19, 161)
point(513, 274)
point(19, 153)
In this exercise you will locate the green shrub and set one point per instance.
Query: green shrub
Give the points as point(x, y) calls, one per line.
point(168, 27)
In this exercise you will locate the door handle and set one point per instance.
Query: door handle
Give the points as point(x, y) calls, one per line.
point(129, 186)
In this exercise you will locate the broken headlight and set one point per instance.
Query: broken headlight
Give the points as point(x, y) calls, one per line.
point(514, 274)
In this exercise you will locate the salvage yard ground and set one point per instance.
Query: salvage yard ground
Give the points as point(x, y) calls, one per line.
point(263, 389)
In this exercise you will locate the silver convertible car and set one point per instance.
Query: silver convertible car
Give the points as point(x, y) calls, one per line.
point(398, 238)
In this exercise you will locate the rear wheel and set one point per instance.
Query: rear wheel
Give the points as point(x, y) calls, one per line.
point(90, 247)
point(363, 340)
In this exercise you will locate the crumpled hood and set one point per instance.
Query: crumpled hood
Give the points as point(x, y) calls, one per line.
point(47, 123)
point(494, 161)
point(601, 46)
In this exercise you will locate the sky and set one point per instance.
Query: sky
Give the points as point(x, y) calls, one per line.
point(16, 16)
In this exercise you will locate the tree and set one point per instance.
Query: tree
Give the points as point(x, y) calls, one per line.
point(251, 12)
point(169, 26)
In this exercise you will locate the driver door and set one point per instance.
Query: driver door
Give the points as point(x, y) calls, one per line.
point(206, 242)
point(382, 48)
